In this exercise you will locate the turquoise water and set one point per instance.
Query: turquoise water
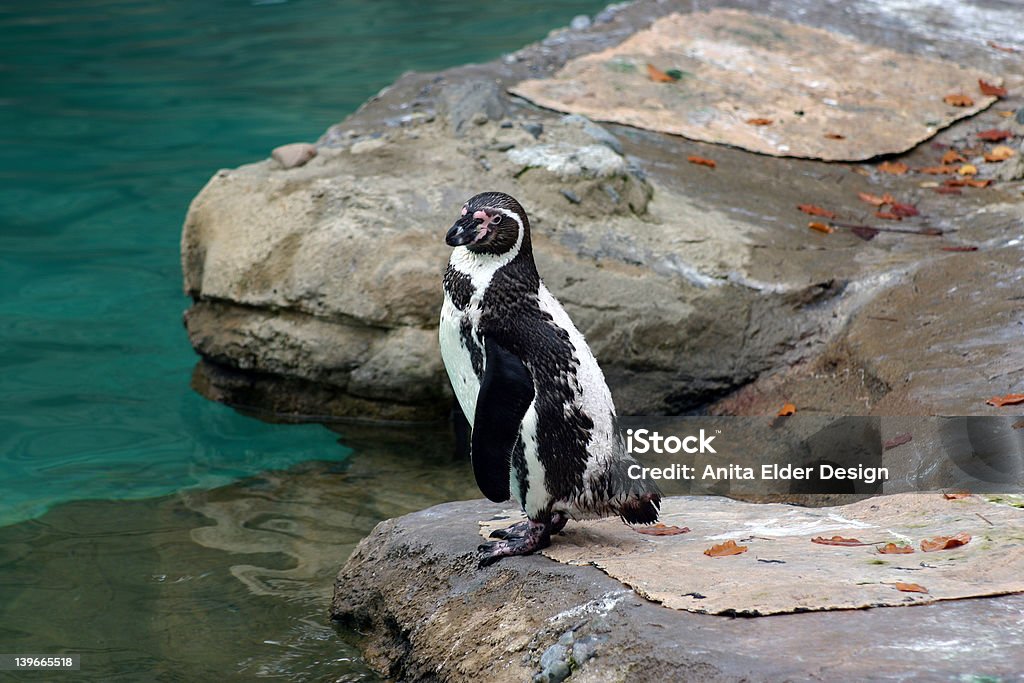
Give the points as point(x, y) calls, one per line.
point(112, 116)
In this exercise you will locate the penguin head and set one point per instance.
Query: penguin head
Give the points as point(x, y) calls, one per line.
point(490, 223)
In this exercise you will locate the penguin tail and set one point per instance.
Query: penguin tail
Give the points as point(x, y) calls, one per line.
point(643, 508)
point(640, 498)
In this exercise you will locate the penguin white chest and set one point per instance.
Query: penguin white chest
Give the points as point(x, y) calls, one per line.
point(457, 354)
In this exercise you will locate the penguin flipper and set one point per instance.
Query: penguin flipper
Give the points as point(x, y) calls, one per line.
point(506, 392)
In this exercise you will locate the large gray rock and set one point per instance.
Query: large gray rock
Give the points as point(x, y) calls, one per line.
point(317, 287)
point(426, 613)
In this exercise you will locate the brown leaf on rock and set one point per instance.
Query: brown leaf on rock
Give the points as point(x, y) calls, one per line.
point(938, 170)
point(885, 215)
point(952, 156)
point(874, 200)
point(1008, 400)
point(955, 100)
point(994, 135)
point(835, 136)
point(968, 169)
point(961, 182)
point(904, 210)
point(910, 587)
point(960, 247)
point(1002, 48)
point(659, 76)
point(945, 542)
point(1006, 113)
point(815, 210)
point(725, 549)
point(864, 232)
point(786, 410)
point(956, 496)
point(700, 161)
point(837, 540)
point(893, 549)
point(662, 530)
point(999, 153)
point(897, 441)
point(990, 90)
point(893, 167)
point(821, 227)
point(760, 122)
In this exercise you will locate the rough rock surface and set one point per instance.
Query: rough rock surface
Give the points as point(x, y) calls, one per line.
point(317, 287)
point(429, 614)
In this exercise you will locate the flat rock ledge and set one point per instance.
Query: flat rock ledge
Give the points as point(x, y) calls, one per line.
point(428, 614)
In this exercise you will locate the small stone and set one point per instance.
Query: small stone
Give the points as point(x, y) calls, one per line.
point(555, 653)
point(479, 118)
point(367, 146)
point(558, 673)
point(580, 22)
point(585, 648)
point(506, 124)
point(293, 155)
point(571, 196)
point(534, 129)
point(566, 639)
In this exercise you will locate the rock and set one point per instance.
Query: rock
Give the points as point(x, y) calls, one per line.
point(295, 154)
point(318, 290)
point(412, 589)
point(470, 101)
point(580, 22)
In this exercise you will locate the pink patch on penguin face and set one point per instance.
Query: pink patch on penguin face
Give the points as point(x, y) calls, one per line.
point(486, 221)
point(465, 210)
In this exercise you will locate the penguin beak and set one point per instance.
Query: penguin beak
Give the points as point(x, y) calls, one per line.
point(463, 232)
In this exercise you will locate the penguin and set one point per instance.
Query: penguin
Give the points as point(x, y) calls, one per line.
point(544, 427)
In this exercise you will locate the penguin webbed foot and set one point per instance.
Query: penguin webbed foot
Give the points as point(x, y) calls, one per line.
point(522, 538)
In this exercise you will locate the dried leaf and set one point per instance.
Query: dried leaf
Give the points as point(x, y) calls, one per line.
point(960, 247)
point(893, 549)
point(1006, 113)
point(956, 496)
point(874, 200)
point(893, 167)
point(887, 216)
point(945, 542)
point(977, 183)
point(1008, 400)
point(837, 540)
point(835, 136)
point(700, 161)
point(659, 76)
point(958, 100)
point(815, 210)
point(904, 210)
point(990, 90)
point(725, 549)
point(1004, 48)
point(961, 182)
point(968, 169)
point(864, 232)
point(821, 227)
point(994, 135)
point(938, 170)
point(952, 156)
point(787, 410)
point(897, 441)
point(662, 530)
point(1000, 153)
point(910, 587)
point(760, 122)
